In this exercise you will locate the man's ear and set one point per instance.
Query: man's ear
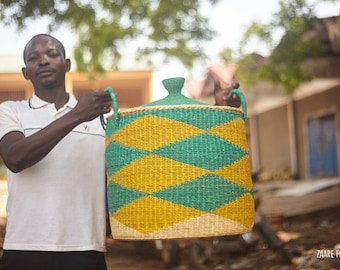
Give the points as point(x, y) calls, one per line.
point(24, 72)
point(68, 64)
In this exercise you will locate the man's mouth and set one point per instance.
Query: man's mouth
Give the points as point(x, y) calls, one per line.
point(45, 72)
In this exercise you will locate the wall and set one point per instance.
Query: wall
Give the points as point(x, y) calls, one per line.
point(327, 102)
point(273, 139)
point(133, 88)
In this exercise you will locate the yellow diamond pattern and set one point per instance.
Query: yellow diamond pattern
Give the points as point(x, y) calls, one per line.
point(144, 176)
point(233, 209)
point(158, 135)
point(242, 176)
point(161, 215)
point(225, 131)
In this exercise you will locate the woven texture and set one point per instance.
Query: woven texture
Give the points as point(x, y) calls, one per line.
point(178, 172)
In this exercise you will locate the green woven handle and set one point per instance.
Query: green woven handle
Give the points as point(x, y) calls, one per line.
point(243, 101)
point(115, 107)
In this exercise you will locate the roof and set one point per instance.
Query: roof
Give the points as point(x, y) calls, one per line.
point(305, 90)
point(314, 87)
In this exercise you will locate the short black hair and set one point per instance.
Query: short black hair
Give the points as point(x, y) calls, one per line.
point(45, 35)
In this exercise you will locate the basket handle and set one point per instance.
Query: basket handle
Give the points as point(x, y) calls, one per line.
point(243, 101)
point(114, 105)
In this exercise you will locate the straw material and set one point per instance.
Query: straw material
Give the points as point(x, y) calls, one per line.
point(178, 172)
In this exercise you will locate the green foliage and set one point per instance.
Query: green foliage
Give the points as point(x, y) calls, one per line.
point(169, 28)
point(285, 64)
point(227, 55)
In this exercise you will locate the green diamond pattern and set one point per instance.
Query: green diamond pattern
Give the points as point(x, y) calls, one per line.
point(214, 145)
point(119, 196)
point(123, 155)
point(206, 193)
point(191, 117)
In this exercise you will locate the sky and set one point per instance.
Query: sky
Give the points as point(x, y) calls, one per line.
point(228, 18)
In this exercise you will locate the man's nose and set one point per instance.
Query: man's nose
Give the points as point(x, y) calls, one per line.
point(43, 59)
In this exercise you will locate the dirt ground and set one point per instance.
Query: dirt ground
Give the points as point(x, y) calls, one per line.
point(303, 237)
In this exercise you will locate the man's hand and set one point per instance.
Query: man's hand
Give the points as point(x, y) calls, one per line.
point(221, 94)
point(92, 104)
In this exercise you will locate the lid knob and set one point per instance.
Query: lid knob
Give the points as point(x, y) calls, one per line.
point(173, 85)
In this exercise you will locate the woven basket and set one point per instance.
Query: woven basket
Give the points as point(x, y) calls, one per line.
point(178, 171)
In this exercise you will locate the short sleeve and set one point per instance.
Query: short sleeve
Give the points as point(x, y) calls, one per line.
point(9, 120)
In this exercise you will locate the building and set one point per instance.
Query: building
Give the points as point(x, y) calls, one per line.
point(133, 88)
point(295, 136)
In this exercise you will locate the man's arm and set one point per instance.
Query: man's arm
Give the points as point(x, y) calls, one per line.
point(20, 152)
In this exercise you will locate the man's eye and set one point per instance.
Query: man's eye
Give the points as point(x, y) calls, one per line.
point(32, 58)
point(53, 53)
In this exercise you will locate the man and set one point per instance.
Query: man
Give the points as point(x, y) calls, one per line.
point(53, 147)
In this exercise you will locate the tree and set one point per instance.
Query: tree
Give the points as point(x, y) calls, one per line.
point(285, 64)
point(168, 28)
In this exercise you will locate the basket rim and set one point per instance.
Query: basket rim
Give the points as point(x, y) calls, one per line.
point(168, 107)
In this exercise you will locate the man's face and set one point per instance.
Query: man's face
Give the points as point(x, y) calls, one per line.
point(45, 63)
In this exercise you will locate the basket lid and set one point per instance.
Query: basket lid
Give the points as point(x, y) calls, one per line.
point(175, 97)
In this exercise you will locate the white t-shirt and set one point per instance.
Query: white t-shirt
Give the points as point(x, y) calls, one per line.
point(59, 203)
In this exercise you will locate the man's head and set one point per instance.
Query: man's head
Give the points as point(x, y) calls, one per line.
point(46, 65)
point(61, 46)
